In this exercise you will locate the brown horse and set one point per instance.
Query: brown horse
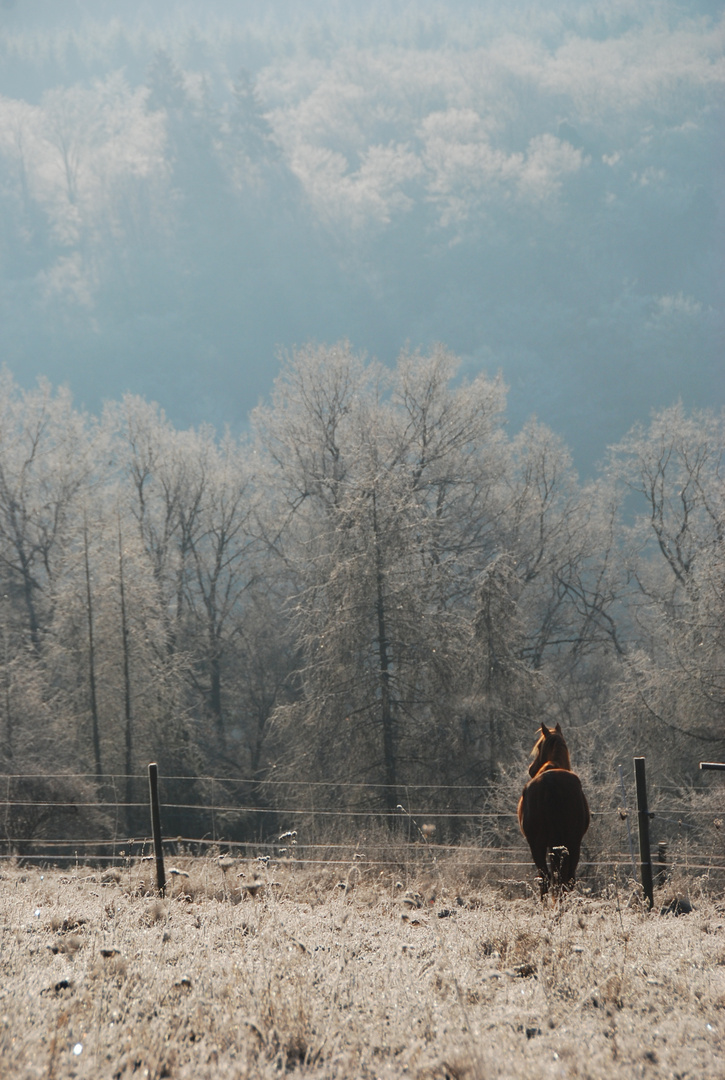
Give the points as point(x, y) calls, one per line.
point(553, 811)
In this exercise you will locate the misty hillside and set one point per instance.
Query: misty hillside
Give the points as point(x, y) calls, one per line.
point(182, 197)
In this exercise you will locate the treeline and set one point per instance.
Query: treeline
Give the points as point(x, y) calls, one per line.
point(380, 588)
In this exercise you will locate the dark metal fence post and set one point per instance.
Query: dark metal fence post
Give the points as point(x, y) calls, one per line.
point(643, 815)
point(156, 826)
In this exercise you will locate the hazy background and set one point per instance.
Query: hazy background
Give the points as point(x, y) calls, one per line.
point(187, 188)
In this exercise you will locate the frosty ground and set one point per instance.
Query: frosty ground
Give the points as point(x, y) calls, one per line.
point(247, 971)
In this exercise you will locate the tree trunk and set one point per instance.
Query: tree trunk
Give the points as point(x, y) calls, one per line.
point(28, 586)
point(128, 717)
point(215, 686)
point(386, 714)
point(9, 733)
point(92, 661)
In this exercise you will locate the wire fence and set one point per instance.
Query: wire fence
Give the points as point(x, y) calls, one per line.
point(314, 834)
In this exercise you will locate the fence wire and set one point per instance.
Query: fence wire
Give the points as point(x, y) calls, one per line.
point(118, 849)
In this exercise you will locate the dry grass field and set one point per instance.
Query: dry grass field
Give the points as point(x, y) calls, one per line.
point(282, 970)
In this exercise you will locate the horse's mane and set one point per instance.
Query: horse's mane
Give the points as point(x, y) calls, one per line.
point(551, 749)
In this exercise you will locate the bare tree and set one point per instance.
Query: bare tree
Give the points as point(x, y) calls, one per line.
point(565, 545)
point(674, 472)
point(46, 464)
point(222, 553)
point(385, 505)
point(191, 496)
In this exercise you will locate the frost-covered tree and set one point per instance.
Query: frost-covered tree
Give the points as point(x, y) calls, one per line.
point(46, 468)
point(190, 497)
point(674, 472)
point(386, 486)
point(445, 581)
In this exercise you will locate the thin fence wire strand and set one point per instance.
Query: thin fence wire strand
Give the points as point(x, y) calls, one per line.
point(419, 812)
point(352, 851)
point(111, 778)
point(267, 782)
point(509, 865)
point(303, 855)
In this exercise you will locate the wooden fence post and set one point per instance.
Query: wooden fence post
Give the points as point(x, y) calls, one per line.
point(156, 826)
point(643, 816)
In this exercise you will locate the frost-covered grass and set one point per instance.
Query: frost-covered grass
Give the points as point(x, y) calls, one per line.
point(301, 972)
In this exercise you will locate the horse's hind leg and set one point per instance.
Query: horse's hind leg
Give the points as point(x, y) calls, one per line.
point(560, 867)
point(571, 864)
point(538, 852)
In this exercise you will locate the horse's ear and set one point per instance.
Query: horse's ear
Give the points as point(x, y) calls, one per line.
point(558, 727)
point(544, 729)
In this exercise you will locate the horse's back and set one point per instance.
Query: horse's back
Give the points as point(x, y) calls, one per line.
point(553, 806)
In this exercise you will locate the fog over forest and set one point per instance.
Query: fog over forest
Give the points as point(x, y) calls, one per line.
point(187, 189)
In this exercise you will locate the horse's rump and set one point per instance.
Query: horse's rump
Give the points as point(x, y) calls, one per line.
point(553, 809)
